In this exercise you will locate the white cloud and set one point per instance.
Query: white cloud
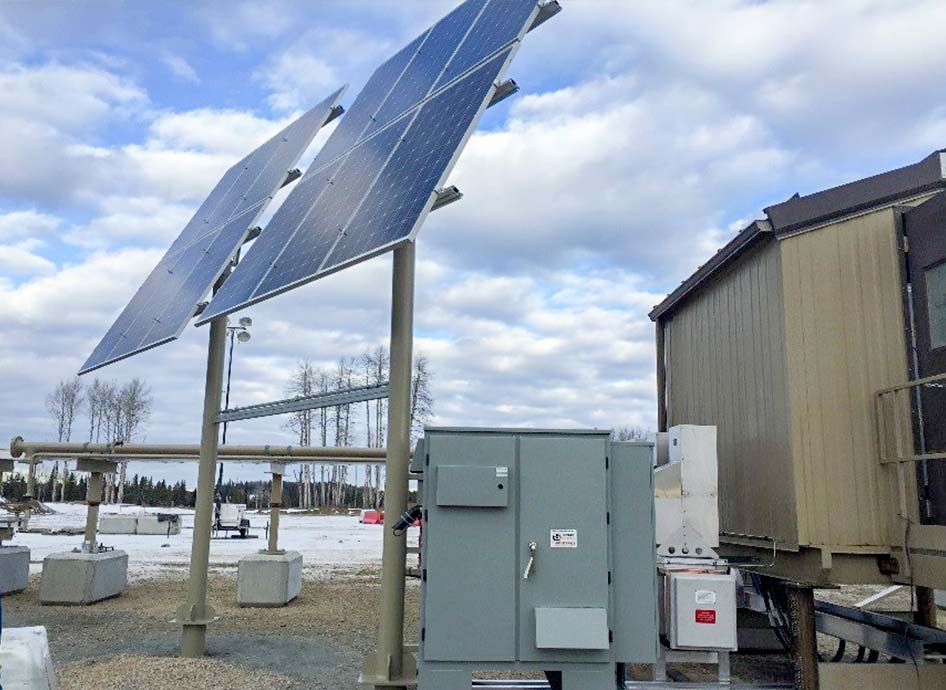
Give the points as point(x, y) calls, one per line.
point(586, 173)
point(21, 259)
point(297, 80)
point(69, 98)
point(180, 68)
point(30, 224)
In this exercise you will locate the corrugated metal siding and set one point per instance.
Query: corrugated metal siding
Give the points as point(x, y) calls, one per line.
point(727, 367)
point(845, 340)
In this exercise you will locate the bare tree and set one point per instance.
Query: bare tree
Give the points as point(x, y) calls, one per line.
point(134, 404)
point(630, 433)
point(302, 384)
point(97, 401)
point(422, 400)
point(62, 404)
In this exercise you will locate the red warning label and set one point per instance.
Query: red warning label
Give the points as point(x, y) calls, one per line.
point(706, 616)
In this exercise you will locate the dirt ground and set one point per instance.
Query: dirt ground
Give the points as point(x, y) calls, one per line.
point(316, 642)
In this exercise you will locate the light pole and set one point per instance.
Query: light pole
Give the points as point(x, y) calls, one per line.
point(239, 332)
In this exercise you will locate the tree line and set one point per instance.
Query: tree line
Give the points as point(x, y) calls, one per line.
point(73, 487)
point(114, 413)
point(340, 485)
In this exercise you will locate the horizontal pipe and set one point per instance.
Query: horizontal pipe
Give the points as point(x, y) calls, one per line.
point(268, 453)
point(181, 458)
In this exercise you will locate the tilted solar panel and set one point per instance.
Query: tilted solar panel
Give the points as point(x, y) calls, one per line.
point(373, 183)
point(166, 301)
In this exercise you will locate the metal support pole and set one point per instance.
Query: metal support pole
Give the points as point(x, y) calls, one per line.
point(804, 651)
point(93, 497)
point(275, 503)
point(226, 401)
point(925, 613)
point(194, 614)
point(386, 667)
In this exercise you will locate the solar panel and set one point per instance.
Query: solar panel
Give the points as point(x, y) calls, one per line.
point(167, 299)
point(396, 202)
point(472, 32)
point(373, 183)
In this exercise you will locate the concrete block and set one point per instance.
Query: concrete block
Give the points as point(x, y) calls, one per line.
point(159, 524)
point(25, 659)
point(118, 524)
point(83, 578)
point(14, 569)
point(269, 579)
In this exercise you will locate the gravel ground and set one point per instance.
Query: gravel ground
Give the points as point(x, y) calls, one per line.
point(123, 672)
point(318, 641)
point(315, 643)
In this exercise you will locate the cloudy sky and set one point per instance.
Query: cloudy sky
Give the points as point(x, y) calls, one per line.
point(645, 135)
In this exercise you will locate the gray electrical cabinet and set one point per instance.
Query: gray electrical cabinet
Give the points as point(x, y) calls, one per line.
point(538, 554)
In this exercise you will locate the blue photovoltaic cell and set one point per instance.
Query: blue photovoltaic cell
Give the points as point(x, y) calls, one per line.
point(249, 273)
point(501, 23)
point(313, 240)
point(408, 181)
point(359, 116)
point(436, 87)
point(204, 265)
point(431, 59)
point(168, 297)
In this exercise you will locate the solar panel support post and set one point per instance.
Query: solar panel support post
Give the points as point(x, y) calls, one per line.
point(390, 666)
point(194, 614)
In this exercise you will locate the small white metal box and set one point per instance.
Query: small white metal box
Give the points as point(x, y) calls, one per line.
point(700, 610)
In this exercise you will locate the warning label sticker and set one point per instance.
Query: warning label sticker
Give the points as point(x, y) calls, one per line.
point(705, 597)
point(706, 616)
point(564, 539)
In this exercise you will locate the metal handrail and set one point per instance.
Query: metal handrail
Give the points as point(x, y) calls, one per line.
point(900, 448)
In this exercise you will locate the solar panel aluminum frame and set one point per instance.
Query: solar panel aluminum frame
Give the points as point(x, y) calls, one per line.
point(251, 216)
point(488, 99)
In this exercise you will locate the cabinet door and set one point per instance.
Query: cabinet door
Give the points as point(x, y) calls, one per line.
point(470, 548)
point(563, 509)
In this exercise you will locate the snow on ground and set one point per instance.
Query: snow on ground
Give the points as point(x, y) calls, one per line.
point(328, 543)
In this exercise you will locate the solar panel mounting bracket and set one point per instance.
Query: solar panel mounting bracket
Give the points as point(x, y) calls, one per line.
point(252, 234)
point(502, 91)
point(446, 196)
point(338, 110)
point(547, 10)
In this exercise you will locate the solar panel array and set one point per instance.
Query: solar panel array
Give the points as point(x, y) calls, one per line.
point(167, 299)
point(374, 181)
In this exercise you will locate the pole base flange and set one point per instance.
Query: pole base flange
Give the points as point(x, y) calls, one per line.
point(191, 614)
point(376, 669)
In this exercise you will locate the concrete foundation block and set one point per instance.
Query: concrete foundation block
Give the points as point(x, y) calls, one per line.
point(159, 524)
point(269, 579)
point(118, 524)
point(14, 569)
point(83, 578)
point(25, 659)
